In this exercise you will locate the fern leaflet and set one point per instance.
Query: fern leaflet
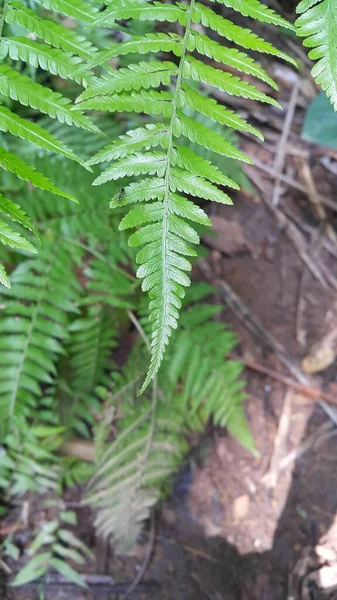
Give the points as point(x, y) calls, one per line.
point(317, 23)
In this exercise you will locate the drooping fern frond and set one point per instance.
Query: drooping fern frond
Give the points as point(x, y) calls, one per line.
point(132, 471)
point(162, 212)
point(196, 383)
point(317, 23)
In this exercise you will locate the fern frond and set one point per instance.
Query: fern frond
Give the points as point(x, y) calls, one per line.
point(53, 546)
point(11, 238)
point(134, 141)
point(93, 338)
point(77, 9)
point(19, 87)
point(235, 33)
point(32, 132)
point(15, 213)
point(317, 23)
point(34, 321)
point(56, 62)
point(226, 82)
point(257, 10)
point(136, 76)
point(131, 471)
point(166, 238)
point(150, 43)
point(196, 383)
point(12, 163)
point(148, 102)
point(52, 33)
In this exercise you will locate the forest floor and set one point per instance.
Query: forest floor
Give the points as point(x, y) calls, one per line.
point(240, 527)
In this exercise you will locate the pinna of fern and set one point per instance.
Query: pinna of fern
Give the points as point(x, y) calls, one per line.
point(317, 24)
point(163, 215)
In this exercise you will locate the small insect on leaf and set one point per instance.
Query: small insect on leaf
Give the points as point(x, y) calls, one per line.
point(119, 195)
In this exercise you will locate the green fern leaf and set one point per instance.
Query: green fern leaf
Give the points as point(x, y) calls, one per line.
point(148, 102)
point(142, 75)
point(12, 163)
point(134, 140)
point(32, 132)
point(56, 62)
point(52, 33)
point(190, 161)
point(77, 9)
point(226, 82)
point(33, 322)
point(19, 87)
point(317, 23)
point(150, 43)
point(13, 239)
point(151, 163)
point(4, 280)
point(166, 238)
point(156, 11)
point(210, 108)
point(206, 137)
point(228, 56)
point(257, 10)
point(15, 213)
point(235, 33)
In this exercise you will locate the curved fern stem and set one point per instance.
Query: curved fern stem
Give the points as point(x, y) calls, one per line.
point(160, 341)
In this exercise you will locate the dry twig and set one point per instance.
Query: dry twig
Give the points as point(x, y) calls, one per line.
point(282, 146)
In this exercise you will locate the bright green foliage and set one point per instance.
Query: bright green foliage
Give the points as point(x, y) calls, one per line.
point(32, 327)
point(53, 545)
point(318, 25)
point(66, 60)
point(60, 324)
point(163, 216)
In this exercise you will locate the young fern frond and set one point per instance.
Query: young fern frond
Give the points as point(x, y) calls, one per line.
point(317, 23)
point(173, 171)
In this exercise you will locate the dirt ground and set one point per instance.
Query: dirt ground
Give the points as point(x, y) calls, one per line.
point(240, 527)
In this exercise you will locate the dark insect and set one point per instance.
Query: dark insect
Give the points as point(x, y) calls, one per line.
point(119, 194)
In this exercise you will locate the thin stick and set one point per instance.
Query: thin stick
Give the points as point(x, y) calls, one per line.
point(306, 390)
point(282, 146)
point(140, 329)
